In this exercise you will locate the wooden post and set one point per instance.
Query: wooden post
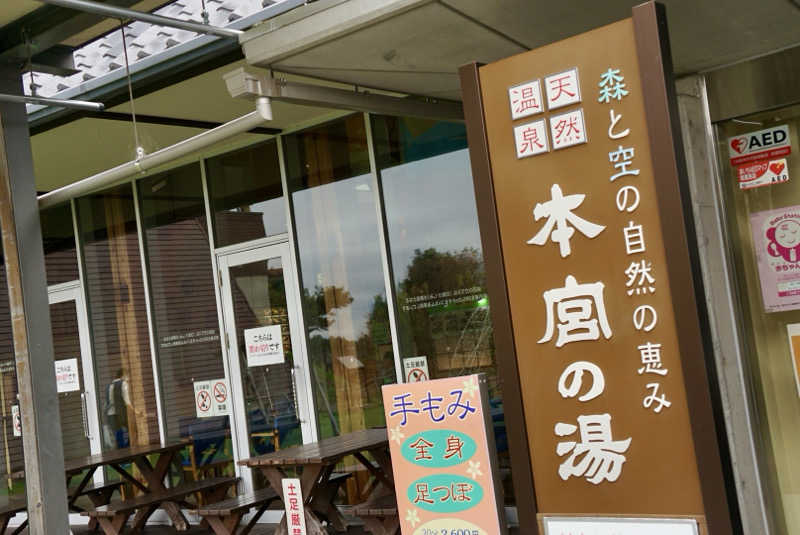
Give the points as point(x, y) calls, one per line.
point(30, 318)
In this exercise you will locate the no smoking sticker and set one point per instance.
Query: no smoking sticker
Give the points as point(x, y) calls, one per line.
point(211, 398)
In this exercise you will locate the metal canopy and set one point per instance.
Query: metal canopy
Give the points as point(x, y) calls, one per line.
point(159, 20)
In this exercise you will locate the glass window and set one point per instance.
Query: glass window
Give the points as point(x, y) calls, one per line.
point(118, 318)
point(58, 237)
point(344, 298)
point(762, 208)
point(246, 194)
point(183, 305)
point(436, 254)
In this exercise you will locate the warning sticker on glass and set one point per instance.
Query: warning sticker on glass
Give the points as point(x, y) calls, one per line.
point(764, 173)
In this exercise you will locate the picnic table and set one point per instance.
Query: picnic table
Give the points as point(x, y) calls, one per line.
point(82, 470)
point(318, 461)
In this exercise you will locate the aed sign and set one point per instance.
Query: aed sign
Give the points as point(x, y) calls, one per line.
point(766, 144)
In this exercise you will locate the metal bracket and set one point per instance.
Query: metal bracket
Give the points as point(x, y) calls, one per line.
point(243, 83)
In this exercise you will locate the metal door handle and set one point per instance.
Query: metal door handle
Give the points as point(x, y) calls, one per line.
point(84, 416)
point(294, 395)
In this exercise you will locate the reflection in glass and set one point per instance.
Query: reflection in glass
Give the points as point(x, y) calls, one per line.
point(246, 194)
point(118, 318)
point(436, 254)
point(259, 300)
point(344, 299)
point(67, 346)
point(184, 307)
point(766, 267)
point(58, 238)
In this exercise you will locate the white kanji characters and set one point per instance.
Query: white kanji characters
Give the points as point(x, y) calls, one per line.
point(573, 305)
point(567, 129)
point(597, 457)
point(645, 318)
point(562, 89)
point(622, 158)
point(612, 86)
point(640, 281)
point(634, 239)
point(628, 199)
point(531, 139)
point(561, 220)
point(650, 355)
point(614, 120)
point(655, 398)
point(526, 99)
point(575, 372)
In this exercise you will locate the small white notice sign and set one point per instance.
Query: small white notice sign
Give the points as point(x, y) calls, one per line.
point(415, 369)
point(293, 501)
point(68, 378)
point(16, 420)
point(264, 345)
point(211, 398)
point(619, 526)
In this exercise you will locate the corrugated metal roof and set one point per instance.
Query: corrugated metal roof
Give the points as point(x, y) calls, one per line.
point(144, 40)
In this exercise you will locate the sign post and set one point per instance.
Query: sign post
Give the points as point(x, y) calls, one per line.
point(590, 268)
point(443, 457)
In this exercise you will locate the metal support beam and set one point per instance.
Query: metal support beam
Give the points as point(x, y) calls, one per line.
point(111, 176)
point(249, 85)
point(159, 20)
point(30, 319)
point(58, 102)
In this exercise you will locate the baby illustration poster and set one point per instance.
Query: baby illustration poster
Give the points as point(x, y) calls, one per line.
point(776, 240)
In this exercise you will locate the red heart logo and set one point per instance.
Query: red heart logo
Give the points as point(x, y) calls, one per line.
point(739, 144)
point(777, 167)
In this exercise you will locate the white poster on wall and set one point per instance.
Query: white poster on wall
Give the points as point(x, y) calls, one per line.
point(619, 526)
point(212, 398)
point(16, 420)
point(68, 378)
point(264, 345)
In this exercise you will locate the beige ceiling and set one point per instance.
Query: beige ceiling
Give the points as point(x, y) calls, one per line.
point(11, 10)
point(79, 149)
point(417, 46)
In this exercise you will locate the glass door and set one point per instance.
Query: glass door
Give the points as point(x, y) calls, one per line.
point(268, 372)
point(74, 371)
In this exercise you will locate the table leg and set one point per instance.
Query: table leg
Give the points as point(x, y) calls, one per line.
point(309, 481)
point(155, 481)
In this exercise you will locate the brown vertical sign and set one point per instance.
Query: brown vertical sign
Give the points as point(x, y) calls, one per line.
point(576, 165)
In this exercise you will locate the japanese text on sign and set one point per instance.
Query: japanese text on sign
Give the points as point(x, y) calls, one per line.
point(293, 503)
point(264, 345)
point(442, 456)
point(211, 398)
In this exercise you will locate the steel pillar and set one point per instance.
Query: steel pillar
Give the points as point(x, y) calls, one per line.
point(30, 318)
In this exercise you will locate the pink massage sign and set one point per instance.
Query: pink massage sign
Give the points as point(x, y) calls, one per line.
point(443, 457)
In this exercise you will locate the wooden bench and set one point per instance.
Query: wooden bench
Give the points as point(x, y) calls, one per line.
point(113, 516)
point(9, 507)
point(97, 494)
point(379, 515)
point(224, 517)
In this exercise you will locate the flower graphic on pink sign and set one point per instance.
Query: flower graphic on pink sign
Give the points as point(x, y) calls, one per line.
point(776, 243)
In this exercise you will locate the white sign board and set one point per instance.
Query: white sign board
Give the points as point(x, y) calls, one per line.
point(264, 345)
point(619, 526)
point(766, 144)
point(415, 369)
point(293, 501)
point(16, 420)
point(68, 378)
point(212, 398)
